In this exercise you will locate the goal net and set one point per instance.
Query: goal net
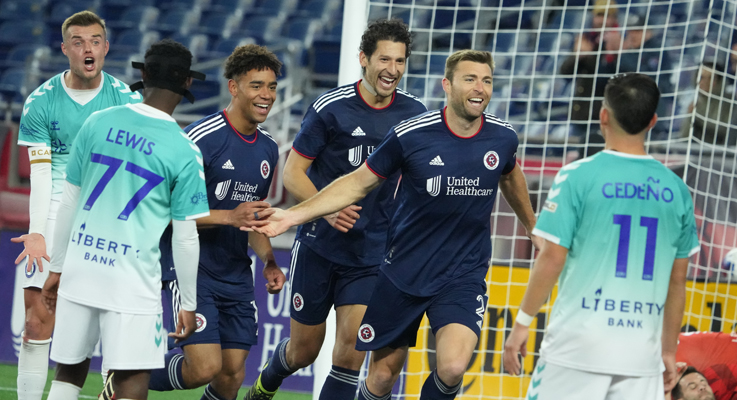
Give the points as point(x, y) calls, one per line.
point(548, 83)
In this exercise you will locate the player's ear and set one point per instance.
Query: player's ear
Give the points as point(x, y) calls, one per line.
point(363, 59)
point(446, 85)
point(188, 83)
point(232, 87)
point(652, 123)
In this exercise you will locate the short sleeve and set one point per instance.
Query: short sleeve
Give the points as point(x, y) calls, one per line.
point(189, 196)
point(512, 161)
point(688, 241)
point(34, 129)
point(78, 153)
point(559, 217)
point(387, 158)
point(313, 135)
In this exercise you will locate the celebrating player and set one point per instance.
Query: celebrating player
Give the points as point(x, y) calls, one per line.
point(52, 116)
point(452, 162)
point(335, 260)
point(239, 159)
point(131, 171)
point(620, 227)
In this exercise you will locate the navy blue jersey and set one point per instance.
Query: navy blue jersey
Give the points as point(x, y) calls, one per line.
point(441, 229)
point(238, 168)
point(339, 132)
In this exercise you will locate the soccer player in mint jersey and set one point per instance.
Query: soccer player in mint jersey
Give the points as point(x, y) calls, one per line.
point(239, 158)
point(335, 260)
point(619, 228)
point(452, 161)
point(131, 172)
point(52, 116)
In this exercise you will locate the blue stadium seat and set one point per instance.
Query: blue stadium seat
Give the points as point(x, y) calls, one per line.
point(325, 62)
point(568, 19)
point(302, 29)
point(178, 22)
point(504, 40)
point(13, 85)
point(318, 9)
point(63, 9)
point(134, 41)
point(231, 5)
point(136, 17)
point(20, 10)
point(24, 54)
point(197, 44)
point(223, 47)
point(13, 33)
point(263, 29)
point(219, 25)
point(275, 8)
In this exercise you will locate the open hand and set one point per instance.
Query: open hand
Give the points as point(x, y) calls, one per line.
point(35, 249)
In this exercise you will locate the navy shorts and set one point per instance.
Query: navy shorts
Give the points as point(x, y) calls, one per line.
point(393, 316)
point(223, 317)
point(318, 284)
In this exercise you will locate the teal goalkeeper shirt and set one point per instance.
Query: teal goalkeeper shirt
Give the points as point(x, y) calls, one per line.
point(624, 220)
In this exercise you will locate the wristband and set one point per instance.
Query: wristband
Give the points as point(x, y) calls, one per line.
point(523, 318)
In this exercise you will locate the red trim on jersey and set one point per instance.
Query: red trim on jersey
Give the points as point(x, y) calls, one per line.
point(307, 157)
point(240, 135)
point(458, 136)
point(372, 170)
point(358, 89)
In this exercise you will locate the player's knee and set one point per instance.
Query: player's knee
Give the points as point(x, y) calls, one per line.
point(303, 357)
point(202, 373)
point(452, 372)
point(37, 329)
point(383, 379)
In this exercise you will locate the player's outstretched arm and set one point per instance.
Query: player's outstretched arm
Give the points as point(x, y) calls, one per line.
point(301, 187)
point(274, 276)
point(544, 275)
point(675, 303)
point(514, 188)
point(249, 214)
point(341, 193)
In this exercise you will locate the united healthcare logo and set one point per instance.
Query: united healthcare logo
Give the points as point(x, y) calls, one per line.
point(221, 190)
point(433, 185)
point(355, 155)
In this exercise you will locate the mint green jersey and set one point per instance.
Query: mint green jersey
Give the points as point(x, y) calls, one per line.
point(624, 220)
point(52, 118)
point(137, 171)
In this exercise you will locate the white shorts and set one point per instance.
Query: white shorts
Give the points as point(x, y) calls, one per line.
point(129, 341)
point(553, 382)
point(36, 278)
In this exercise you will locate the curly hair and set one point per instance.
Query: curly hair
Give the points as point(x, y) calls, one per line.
point(394, 30)
point(173, 51)
point(248, 57)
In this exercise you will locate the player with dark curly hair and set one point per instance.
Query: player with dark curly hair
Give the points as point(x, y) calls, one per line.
point(130, 173)
point(234, 149)
point(335, 260)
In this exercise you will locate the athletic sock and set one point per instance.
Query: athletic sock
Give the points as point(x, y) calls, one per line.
point(365, 394)
point(211, 394)
point(436, 389)
point(277, 369)
point(63, 391)
point(341, 383)
point(33, 368)
point(169, 377)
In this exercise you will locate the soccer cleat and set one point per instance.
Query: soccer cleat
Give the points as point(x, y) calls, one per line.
point(107, 390)
point(257, 392)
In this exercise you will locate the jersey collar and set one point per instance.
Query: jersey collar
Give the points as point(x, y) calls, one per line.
point(394, 96)
point(456, 135)
point(240, 135)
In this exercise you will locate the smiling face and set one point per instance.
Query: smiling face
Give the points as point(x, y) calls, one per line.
point(85, 47)
point(385, 67)
point(253, 95)
point(469, 89)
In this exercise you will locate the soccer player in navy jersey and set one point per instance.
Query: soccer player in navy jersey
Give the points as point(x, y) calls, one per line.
point(239, 159)
point(335, 260)
point(452, 161)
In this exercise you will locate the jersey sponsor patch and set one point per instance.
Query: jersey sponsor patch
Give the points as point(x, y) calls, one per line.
point(550, 206)
point(298, 302)
point(366, 333)
point(433, 185)
point(228, 165)
point(265, 169)
point(39, 154)
point(491, 160)
point(201, 322)
point(355, 155)
point(221, 190)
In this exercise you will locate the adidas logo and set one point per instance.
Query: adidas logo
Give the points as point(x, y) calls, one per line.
point(437, 161)
point(228, 165)
point(358, 132)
